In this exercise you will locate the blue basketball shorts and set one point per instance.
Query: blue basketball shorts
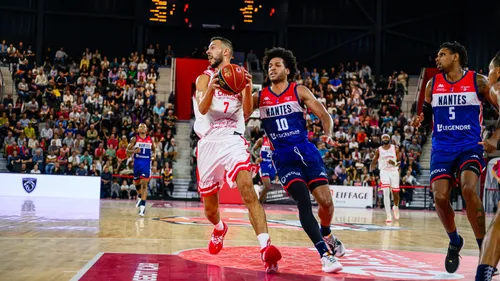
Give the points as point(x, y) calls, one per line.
point(142, 170)
point(267, 170)
point(449, 164)
point(301, 162)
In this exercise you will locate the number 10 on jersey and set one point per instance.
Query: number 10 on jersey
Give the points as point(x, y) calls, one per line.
point(282, 124)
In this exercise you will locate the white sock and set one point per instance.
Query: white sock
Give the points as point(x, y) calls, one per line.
point(142, 208)
point(219, 226)
point(387, 201)
point(263, 239)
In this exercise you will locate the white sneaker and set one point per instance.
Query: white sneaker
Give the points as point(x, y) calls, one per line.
point(396, 212)
point(335, 245)
point(330, 263)
point(389, 218)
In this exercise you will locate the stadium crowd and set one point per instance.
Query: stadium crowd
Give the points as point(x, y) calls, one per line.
point(76, 116)
point(362, 110)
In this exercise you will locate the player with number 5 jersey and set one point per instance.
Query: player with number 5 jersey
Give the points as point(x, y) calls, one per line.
point(297, 161)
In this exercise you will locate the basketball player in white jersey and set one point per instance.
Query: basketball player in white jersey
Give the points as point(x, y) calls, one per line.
point(388, 156)
point(222, 151)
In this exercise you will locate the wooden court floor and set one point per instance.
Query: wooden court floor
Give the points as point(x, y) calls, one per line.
point(52, 241)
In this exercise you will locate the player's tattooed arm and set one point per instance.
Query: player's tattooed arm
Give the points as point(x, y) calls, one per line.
point(205, 87)
point(483, 87)
point(425, 118)
point(374, 162)
point(131, 147)
point(255, 104)
point(307, 97)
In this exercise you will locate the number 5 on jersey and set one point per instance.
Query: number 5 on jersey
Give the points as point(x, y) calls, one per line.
point(282, 124)
point(452, 113)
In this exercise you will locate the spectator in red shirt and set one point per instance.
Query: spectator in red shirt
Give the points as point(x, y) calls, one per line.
point(99, 152)
point(112, 142)
point(361, 136)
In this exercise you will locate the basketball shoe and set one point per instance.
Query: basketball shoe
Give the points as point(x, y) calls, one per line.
point(396, 212)
point(452, 261)
point(335, 245)
point(217, 241)
point(330, 264)
point(270, 255)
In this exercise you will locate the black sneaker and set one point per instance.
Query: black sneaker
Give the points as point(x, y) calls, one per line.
point(453, 258)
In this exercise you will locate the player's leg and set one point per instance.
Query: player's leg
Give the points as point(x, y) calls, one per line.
point(385, 184)
point(470, 170)
point(144, 195)
point(490, 253)
point(266, 181)
point(210, 174)
point(395, 193)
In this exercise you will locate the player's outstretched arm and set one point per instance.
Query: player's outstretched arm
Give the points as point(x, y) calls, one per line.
point(317, 108)
point(255, 101)
point(205, 88)
point(374, 161)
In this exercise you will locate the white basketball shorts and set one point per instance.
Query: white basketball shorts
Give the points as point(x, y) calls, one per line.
point(389, 179)
point(220, 159)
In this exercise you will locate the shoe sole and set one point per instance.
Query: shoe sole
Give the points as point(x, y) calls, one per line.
point(333, 269)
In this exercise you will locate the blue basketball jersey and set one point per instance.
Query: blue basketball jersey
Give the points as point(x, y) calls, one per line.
point(145, 144)
point(265, 150)
point(283, 117)
point(458, 113)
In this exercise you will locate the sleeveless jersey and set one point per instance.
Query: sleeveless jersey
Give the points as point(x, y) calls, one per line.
point(384, 156)
point(458, 112)
point(283, 117)
point(145, 144)
point(265, 150)
point(224, 117)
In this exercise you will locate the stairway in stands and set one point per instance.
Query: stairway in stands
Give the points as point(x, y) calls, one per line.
point(182, 167)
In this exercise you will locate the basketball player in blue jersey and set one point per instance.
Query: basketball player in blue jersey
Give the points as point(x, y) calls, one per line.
point(267, 170)
point(142, 147)
point(298, 162)
point(490, 252)
point(453, 101)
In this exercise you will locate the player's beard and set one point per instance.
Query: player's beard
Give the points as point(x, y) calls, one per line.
point(281, 77)
point(217, 61)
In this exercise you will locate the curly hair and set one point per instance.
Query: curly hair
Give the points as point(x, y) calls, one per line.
point(457, 48)
point(288, 58)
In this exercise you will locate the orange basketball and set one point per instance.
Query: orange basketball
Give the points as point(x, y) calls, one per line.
point(232, 78)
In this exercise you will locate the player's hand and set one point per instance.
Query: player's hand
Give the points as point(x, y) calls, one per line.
point(328, 140)
point(258, 160)
point(248, 77)
point(417, 120)
point(213, 84)
point(392, 162)
point(490, 145)
point(137, 150)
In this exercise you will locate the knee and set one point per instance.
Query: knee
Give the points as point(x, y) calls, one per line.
point(325, 202)
point(469, 191)
point(441, 198)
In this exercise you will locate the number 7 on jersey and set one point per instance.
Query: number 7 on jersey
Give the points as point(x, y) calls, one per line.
point(226, 103)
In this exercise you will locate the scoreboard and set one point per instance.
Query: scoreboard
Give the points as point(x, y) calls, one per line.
point(228, 14)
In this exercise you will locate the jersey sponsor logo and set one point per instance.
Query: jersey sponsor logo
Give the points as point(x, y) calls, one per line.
point(441, 127)
point(475, 156)
point(289, 174)
point(282, 109)
point(440, 86)
point(452, 100)
point(284, 135)
point(435, 171)
point(224, 123)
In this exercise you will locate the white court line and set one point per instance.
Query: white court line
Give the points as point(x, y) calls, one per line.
point(87, 267)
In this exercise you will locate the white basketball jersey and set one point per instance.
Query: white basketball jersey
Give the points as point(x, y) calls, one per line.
point(224, 117)
point(384, 156)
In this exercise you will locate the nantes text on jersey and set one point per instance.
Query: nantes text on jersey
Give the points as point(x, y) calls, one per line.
point(145, 145)
point(458, 112)
point(283, 117)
